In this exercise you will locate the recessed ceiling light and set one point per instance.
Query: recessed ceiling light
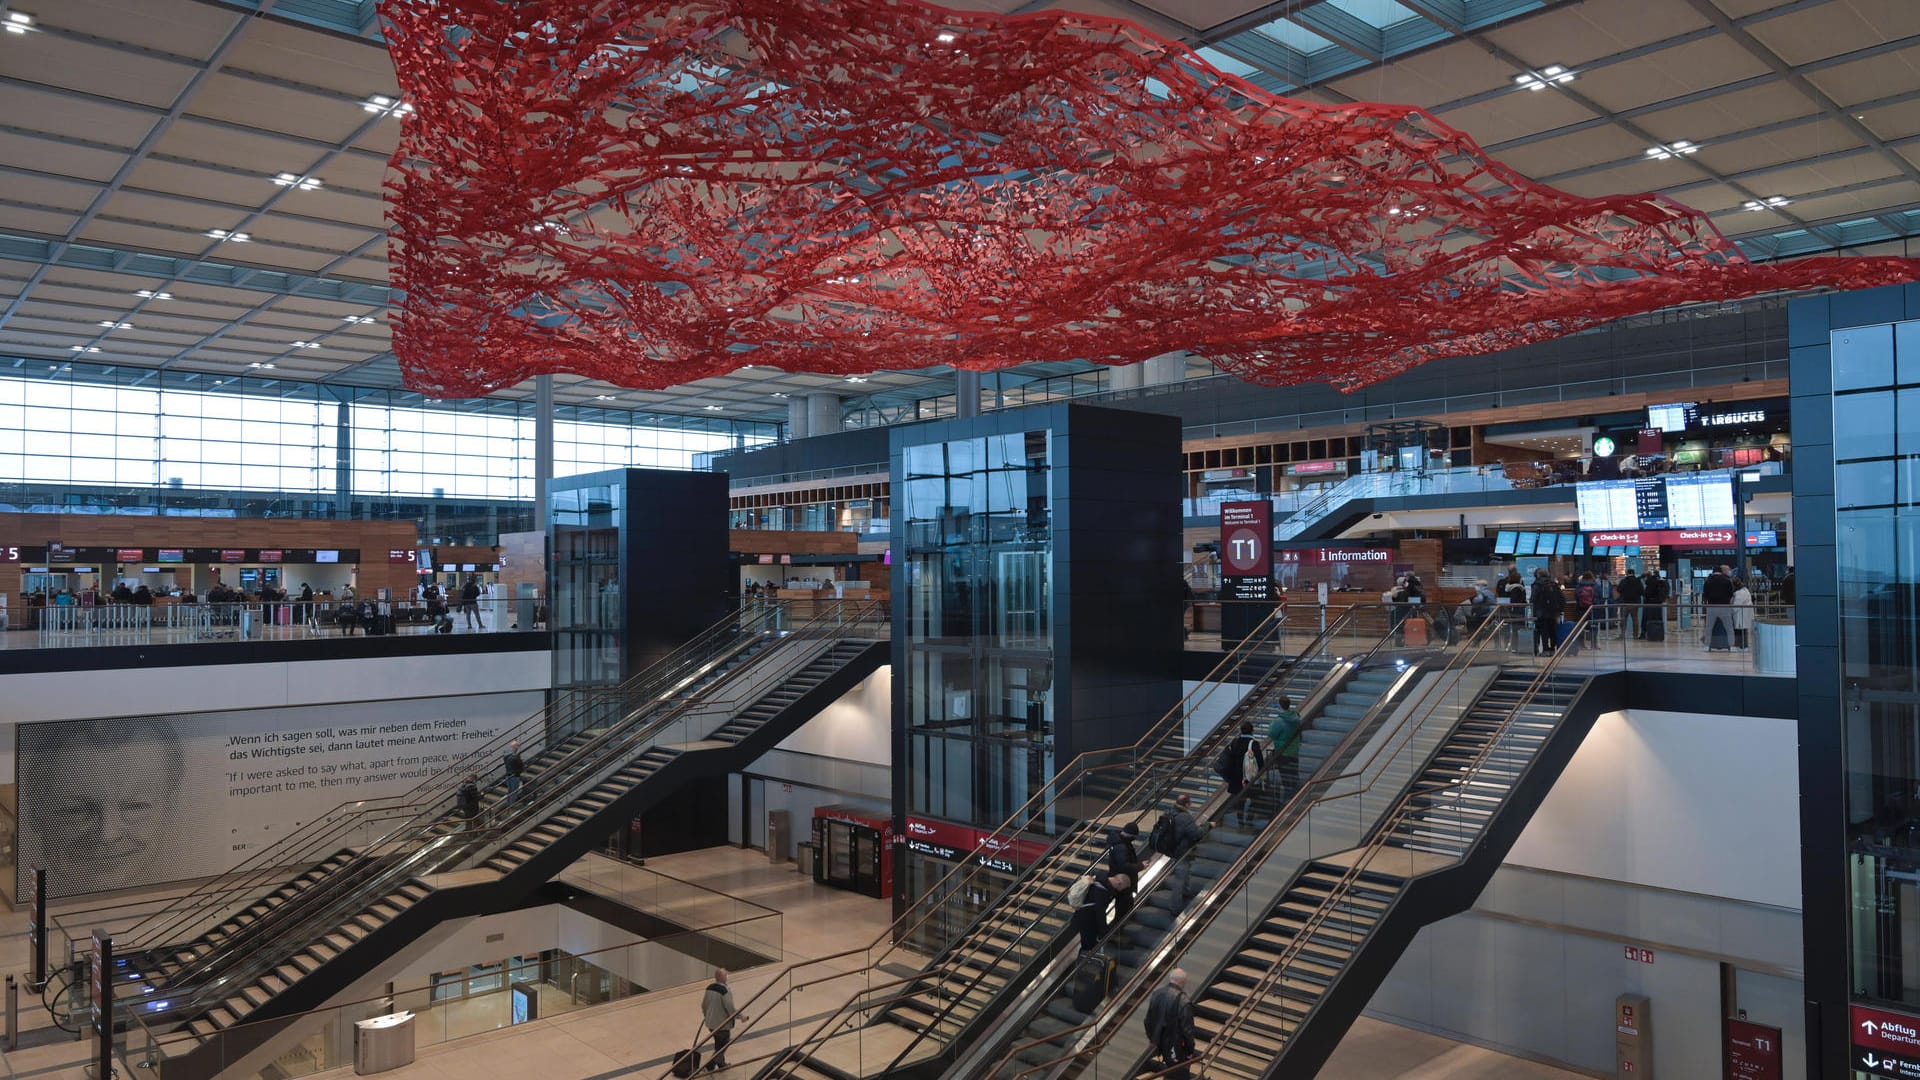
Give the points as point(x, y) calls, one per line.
point(306, 344)
point(84, 348)
point(260, 365)
point(304, 183)
point(603, 397)
point(219, 382)
point(946, 37)
point(856, 378)
point(359, 320)
point(149, 294)
point(1551, 75)
point(1771, 202)
point(381, 103)
point(712, 408)
point(777, 393)
point(18, 22)
point(222, 234)
point(111, 325)
point(1672, 149)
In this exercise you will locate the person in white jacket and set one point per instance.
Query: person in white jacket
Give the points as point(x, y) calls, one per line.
point(1742, 612)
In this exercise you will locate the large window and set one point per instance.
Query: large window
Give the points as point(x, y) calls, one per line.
point(94, 427)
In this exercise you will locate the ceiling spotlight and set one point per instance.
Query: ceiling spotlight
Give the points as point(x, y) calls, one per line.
point(712, 408)
point(778, 394)
point(856, 378)
point(18, 22)
point(1672, 149)
point(946, 37)
point(359, 320)
point(1771, 202)
point(84, 348)
point(109, 324)
point(1551, 75)
point(304, 183)
point(603, 397)
point(149, 294)
point(383, 105)
point(222, 234)
point(306, 344)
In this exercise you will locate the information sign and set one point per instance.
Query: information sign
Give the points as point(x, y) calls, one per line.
point(1752, 1051)
point(1246, 539)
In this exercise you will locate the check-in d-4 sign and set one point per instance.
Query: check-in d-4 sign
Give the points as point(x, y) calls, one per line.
point(1885, 1043)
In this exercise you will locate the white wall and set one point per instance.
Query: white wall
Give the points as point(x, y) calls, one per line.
point(858, 727)
point(1698, 804)
point(1206, 715)
point(64, 695)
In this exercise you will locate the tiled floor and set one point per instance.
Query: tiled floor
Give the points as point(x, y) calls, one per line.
point(638, 1037)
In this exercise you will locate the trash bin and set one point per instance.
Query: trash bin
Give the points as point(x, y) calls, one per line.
point(809, 859)
point(246, 622)
point(382, 1043)
point(1773, 646)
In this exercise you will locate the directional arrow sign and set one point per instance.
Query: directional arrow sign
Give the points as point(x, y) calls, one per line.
point(1881, 1065)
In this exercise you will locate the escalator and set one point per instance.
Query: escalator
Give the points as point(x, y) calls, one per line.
point(928, 1017)
point(1348, 883)
point(264, 943)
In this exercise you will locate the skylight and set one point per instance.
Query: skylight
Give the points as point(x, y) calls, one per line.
point(1378, 14)
point(1294, 36)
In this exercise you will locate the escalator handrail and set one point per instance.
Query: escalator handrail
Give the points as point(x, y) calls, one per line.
point(1248, 648)
point(274, 859)
point(1382, 833)
point(384, 878)
point(1275, 834)
point(372, 876)
point(1202, 757)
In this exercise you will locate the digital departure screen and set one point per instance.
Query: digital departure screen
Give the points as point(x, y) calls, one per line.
point(1694, 501)
point(1503, 543)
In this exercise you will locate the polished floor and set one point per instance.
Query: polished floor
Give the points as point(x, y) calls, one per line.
point(637, 1037)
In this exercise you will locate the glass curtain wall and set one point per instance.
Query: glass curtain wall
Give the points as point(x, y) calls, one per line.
point(586, 614)
point(1876, 449)
point(113, 437)
point(978, 621)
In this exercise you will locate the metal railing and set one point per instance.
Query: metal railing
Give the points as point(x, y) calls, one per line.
point(172, 622)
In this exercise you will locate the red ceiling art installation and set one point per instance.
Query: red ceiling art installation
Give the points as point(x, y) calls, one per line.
point(652, 193)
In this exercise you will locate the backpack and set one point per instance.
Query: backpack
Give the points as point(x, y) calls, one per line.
point(1077, 892)
point(1586, 594)
point(1161, 838)
point(1223, 765)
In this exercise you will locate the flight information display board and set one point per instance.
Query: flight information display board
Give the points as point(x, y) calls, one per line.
point(1690, 501)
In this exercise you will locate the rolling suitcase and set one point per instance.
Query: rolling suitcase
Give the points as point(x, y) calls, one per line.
point(1413, 632)
point(1563, 639)
point(1092, 980)
point(1717, 635)
point(686, 1063)
point(1655, 628)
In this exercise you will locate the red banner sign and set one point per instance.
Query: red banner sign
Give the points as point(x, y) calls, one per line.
point(1752, 1051)
point(272, 554)
point(231, 555)
point(129, 554)
point(1665, 537)
point(1246, 539)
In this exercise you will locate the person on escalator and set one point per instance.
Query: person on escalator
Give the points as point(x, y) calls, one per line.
point(1170, 1026)
point(1174, 836)
point(466, 801)
point(1123, 860)
point(1284, 734)
point(513, 766)
point(1232, 767)
point(1090, 914)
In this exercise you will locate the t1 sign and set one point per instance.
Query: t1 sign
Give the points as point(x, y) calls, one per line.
point(1752, 1051)
point(1246, 539)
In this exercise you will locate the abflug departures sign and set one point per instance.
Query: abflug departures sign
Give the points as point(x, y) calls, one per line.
point(1885, 1043)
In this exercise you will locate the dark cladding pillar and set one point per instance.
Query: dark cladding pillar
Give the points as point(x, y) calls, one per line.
point(640, 565)
point(1037, 602)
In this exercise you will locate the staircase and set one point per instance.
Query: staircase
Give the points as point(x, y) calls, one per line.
point(1277, 997)
point(300, 942)
point(1023, 946)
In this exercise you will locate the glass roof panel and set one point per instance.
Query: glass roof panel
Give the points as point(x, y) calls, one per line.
point(1223, 62)
point(1378, 14)
point(1294, 36)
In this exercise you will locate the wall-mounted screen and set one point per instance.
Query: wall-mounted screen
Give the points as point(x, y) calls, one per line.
point(468, 568)
point(1687, 501)
point(1674, 417)
point(1503, 543)
point(1524, 543)
point(326, 555)
point(172, 555)
point(1567, 544)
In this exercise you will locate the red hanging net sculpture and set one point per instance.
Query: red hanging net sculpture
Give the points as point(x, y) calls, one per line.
point(652, 193)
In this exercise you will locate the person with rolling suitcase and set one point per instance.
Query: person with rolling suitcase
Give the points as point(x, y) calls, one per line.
point(1170, 1026)
point(717, 1011)
point(1654, 596)
point(1092, 981)
point(1090, 897)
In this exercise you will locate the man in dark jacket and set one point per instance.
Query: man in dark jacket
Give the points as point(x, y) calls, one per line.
point(1549, 600)
point(1629, 593)
point(466, 801)
point(470, 600)
point(1717, 594)
point(1091, 915)
point(1170, 1025)
point(1123, 859)
point(1186, 834)
point(513, 766)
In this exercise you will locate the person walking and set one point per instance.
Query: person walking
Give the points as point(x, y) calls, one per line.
point(1742, 613)
point(1283, 734)
point(717, 1011)
point(470, 600)
point(1628, 591)
point(1170, 1026)
point(1717, 594)
point(1549, 601)
point(513, 766)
